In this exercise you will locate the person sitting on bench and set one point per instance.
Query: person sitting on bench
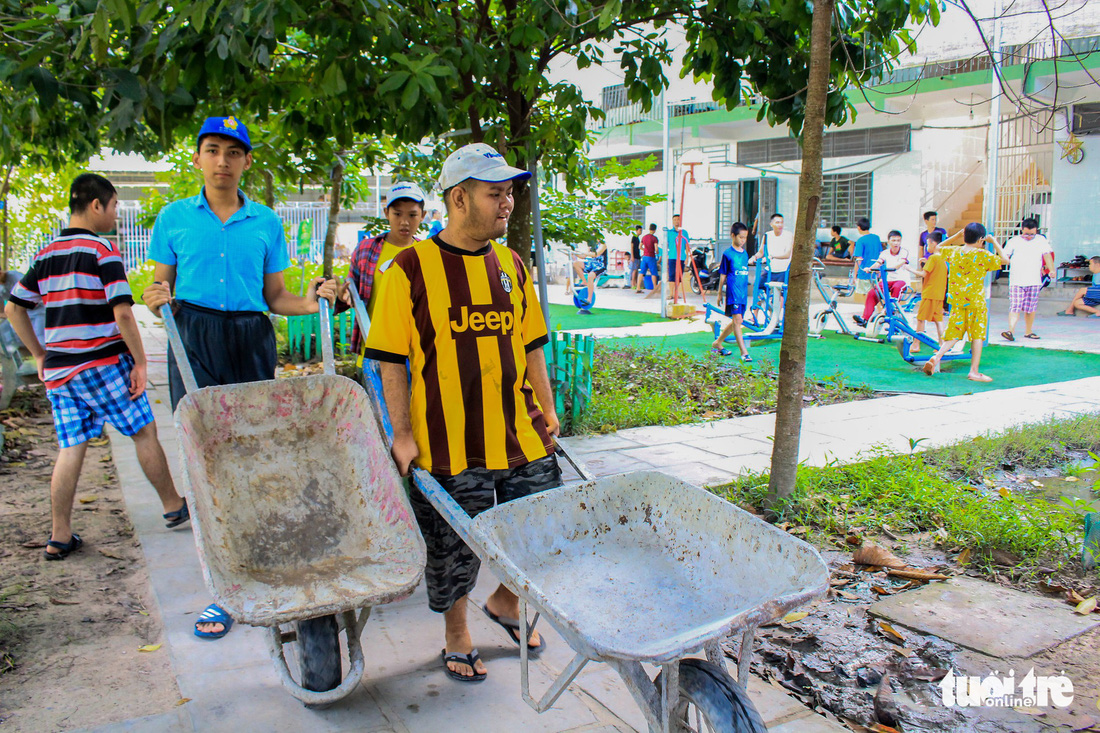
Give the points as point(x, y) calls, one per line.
point(589, 269)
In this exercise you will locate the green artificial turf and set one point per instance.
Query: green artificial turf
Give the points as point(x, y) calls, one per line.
point(565, 318)
point(881, 367)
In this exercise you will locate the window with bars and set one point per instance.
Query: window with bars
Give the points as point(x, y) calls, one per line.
point(614, 97)
point(845, 197)
point(874, 141)
point(636, 213)
point(1086, 119)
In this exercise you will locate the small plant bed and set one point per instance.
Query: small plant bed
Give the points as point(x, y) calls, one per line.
point(1006, 509)
point(637, 386)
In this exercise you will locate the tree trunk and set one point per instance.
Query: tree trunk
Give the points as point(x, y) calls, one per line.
point(519, 135)
point(792, 354)
point(4, 190)
point(333, 214)
point(269, 188)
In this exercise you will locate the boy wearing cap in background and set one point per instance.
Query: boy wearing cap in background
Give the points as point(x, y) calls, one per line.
point(462, 311)
point(223, 257)
point(404, 212)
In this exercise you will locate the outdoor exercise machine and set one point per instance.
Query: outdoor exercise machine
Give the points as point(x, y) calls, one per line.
point(831, 307)
point(763, 319)
point(904, 335)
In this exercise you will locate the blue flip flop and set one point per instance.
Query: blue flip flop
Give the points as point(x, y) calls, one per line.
point(722, 352)
point(213, 615)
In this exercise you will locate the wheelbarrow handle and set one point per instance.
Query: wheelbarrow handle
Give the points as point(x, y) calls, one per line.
point(328, 357)
point(373, 378)
point(178, 352)
point(559, 449)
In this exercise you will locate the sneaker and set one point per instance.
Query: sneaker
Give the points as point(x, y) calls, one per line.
point(860, 321)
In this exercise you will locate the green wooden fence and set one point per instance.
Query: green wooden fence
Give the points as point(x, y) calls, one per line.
point(304, 335)
point(571, 373)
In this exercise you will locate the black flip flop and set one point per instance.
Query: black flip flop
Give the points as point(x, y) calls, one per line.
point(1007, 336)
point(177, 517)
point(64, 549)
point(1031, 336)
point(468, 659)
point(511, 625)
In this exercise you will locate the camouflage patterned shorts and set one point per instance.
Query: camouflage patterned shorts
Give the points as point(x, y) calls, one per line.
point(451, 572)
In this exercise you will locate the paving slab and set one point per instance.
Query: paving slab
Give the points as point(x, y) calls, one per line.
point(596, 443)
point(669, 454)
point(985, 617)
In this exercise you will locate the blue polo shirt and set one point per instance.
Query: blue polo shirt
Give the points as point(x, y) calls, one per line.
point(677, 250)
point(220, 265)
point(869, 247)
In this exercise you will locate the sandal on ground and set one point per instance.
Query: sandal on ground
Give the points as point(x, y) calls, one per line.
point(722, 351)
point(177, 517)
point(1031, 336)
point(468, 659)
point(1007, 336)
point(930, 367)
point(980, 378)
point(746, 358)
point(1067, 315)
point(511, 625)
point(213, 615)
point(1093, 315)
point(64, 549)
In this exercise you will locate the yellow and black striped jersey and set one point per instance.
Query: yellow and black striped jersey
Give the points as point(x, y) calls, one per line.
point(465, 321)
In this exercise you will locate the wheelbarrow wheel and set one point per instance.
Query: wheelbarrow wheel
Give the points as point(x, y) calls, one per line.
point(710, 700)
point(319, 653)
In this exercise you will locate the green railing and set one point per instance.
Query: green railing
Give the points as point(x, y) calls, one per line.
point(571, 373)
point(304, 335)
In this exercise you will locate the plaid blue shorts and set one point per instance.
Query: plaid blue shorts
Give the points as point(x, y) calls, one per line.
point(94, 397)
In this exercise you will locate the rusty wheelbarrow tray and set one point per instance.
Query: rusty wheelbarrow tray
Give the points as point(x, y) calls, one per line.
point(643, 567)
point(298, 512)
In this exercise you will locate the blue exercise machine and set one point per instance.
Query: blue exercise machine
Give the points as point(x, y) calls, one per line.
point(763, 320)
point(897, 325)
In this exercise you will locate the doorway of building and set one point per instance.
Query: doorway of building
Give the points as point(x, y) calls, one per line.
point(750, 201)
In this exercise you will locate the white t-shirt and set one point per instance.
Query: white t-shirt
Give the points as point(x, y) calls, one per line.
point(894, 263)
point(1027, 260)
point(780, 243)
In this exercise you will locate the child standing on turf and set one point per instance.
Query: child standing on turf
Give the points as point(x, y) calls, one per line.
point(933, 271)
point(92, 363)
point(733, 275)
point(969, 312)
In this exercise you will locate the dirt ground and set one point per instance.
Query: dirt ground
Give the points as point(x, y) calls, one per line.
point(70, 630)
point(835, 657)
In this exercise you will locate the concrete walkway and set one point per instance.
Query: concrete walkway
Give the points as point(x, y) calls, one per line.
point(230, 684)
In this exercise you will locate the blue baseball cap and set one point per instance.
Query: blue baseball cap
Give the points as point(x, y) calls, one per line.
point(229, 127)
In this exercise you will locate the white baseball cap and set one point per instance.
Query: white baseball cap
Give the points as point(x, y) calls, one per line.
point(405, 190)
point(480, 162)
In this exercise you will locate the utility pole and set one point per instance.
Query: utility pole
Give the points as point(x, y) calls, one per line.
point(993, 142)
point(669, 185)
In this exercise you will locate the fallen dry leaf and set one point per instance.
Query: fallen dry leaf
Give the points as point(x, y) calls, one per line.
point(33, 544)
point(904, 652)
point(790, 618)
point(149, 648)
point(1051, 587)
point(914, 574)
point(1073, 597)
point(1003, 492)
point(875, 555)
point(849, 596)
point(182, 700)
point(890, 633)
point(1004, 558)
point(87, 499)
point(881, 591)
point(963, 557)
point(1071, 479)
point(1086, 606)
point(111, 554)
point(880, 728)
point(1037, 484)
point(59, 602)
point(853, 539)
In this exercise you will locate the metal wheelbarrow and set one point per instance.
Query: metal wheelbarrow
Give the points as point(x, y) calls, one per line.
point(301, 520)
point(643, 567)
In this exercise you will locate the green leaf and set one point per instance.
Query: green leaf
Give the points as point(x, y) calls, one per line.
point(101, 24)
point(393, 82)
point(46, 85)
point(128, 85)
point(411, 95)
point(610, 13)
point(332, 83)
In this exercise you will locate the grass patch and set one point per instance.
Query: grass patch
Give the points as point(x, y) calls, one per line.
point(635, 386)
point(942, 492)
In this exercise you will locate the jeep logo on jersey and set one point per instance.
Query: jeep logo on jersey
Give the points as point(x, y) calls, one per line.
point(482, 320)
point(505, 282)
